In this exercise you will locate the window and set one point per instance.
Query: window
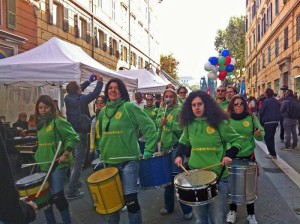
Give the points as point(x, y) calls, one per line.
point(253, 11)
point(114, 47)
point(11, 14)
point(254, 69)
point(258, 64)
point(269, 15)
point(125, 52)
point(298, 28)
point(263, 60)
point(113, 10)
point(57, 15)
point(253, 36)
point(249, 73)
point(269, 54)
point(276, 7)
point(286, 38)
point(99, 3)
point(141, 62)
point(82, 28)
point(276, 47)
point(258, 32)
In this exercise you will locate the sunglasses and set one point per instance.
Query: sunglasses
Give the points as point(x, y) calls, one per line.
point(99, 101)
point(221, 90)
point(182, 92)
point(238, 104)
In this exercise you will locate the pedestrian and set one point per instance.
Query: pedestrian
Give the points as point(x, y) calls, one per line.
point(169, 134)
point(230, 92)
point(207, 130)
point(280, 101)
point(248, 126)
point(51, 130)
point(117, 137)
point(76, 106)
point(182, 94)
point(269, 115)
point(221, 97)
point(289, 123)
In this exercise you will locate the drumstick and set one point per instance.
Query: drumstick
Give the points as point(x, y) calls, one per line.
point(185, 170)
point(210, 166)
point(33, 164)
point(53, 161)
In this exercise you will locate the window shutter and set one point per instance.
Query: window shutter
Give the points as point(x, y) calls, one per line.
point(96, 42)
point(88, 32)
point(11, 14)
point(110, 46)
point(105, 42)
point(66, 19)
point(76, 25)
point(50, 11)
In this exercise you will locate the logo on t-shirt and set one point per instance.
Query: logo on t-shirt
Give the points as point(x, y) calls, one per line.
point(210, 130)
point(246, 124)
point(170, 117)
point(118, 115)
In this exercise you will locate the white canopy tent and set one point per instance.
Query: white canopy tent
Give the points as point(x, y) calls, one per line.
point(147, 82)
point(55, 62)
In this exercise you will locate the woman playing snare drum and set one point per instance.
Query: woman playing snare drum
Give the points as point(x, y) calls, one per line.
point(248, 127)
point(206, 129)
point(51, 130)
point(117, 130)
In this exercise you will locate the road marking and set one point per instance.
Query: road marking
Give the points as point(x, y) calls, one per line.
point(290, 172)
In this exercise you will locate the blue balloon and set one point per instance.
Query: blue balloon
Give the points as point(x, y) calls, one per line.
point(213, 60)
point(225, 53)
point(229, 68)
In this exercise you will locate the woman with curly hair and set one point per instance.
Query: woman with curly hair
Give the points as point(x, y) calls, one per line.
point(248, 126)
point(206, 130)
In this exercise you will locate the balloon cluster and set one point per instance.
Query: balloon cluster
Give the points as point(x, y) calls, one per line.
point(220, 67)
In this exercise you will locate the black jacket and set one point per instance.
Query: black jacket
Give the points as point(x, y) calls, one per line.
point(269, 111)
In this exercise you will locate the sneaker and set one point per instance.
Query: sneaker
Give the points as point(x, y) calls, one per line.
point(286, 148)
point(188, 216)
point(79, 184)
point(231, 217)
point(124, 209)
point(270, 157)
point(251, 219)
point(165, 211)
point(77, 194)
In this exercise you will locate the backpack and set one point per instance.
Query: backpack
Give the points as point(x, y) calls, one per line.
point(294, 109)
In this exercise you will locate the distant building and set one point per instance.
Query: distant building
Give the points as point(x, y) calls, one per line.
point(187, 80)
point(203, 84)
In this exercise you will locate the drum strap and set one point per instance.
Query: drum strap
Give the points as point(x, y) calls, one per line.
point(220, 176)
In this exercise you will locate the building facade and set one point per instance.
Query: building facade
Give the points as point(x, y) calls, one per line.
point(120, 34)
point(272, 45)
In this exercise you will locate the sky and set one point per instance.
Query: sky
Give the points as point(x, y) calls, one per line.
point(187, 28)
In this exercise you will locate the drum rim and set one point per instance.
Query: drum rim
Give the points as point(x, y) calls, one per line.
point(197, 186)
point(24, 186)
point(104, 180)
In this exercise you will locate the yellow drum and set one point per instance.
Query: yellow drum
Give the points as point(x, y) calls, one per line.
point(106, 190)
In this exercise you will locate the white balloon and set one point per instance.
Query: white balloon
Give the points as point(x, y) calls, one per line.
point(232, 62)
point(214, 69)
point(208, 66)
point(211, 75)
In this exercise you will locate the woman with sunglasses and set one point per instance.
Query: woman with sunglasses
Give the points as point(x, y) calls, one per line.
point(206, 129)
point(100, 102)
point(117, 130)
point(248, 126)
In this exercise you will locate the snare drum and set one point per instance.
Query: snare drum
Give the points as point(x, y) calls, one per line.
point(29, 187)
point(155, 172)
point(197, 188)
point(242, 182)
point(97, 164)
point(106, 190)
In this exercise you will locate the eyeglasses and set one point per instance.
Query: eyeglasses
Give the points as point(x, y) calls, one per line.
point(99, 101)
point(221, 90)
point(149, 99)
point(182, 92)
point(238, 104)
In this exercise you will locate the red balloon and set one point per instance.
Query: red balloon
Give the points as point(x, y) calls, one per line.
point(227, 60)
point(222, 75)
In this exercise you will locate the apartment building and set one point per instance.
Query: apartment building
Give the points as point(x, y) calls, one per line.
point(120, 34)
point(272, 45)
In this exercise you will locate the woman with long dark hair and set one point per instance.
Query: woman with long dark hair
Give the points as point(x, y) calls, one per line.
point(206, 130)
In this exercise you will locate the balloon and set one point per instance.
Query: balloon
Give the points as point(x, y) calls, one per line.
point(214, 69)
point(227, 60)
point(221, 60)
point(213, 60)
point(222, 75)
point(229, 68)
point(208, 66)
point(232, 61)
point(225, 53)
point(211, 75)
point(229, 73)
point(222, 68)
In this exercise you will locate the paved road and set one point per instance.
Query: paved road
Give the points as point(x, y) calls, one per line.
point(278, 196)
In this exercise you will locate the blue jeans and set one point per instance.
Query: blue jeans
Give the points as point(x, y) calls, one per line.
point(129, 173)
point(169, 190)
point(57, 182)
point(79, 157)
point(270, 130)
point(214, 212)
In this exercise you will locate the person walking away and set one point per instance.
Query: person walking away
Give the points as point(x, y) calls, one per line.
point(53, 129)
point(289, 122)
point(248, 126)
point(77, 105)
point(117, 138)
point(269, 115)
point(206, 130)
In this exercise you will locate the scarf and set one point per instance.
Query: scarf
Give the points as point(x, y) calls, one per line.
point(240, 116)
point(43, 119)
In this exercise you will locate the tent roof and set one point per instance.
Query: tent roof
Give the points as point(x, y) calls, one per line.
point(54, 62)
point(147, 82)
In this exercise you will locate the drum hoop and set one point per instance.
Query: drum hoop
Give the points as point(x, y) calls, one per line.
point(197, 187)
point(104, 180)
point(35, 183)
